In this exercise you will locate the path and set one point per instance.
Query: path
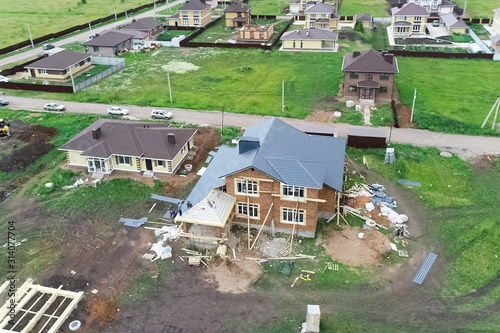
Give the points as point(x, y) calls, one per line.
point(399, 135)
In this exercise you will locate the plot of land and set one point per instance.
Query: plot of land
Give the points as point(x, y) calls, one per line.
point(268, 7)
point(479, 8)
point(378, 8)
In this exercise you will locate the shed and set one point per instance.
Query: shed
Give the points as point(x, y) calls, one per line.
point(366, 138)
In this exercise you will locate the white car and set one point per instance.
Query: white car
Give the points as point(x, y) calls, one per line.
point(117, 110)
point(4, 79)
point(161, 114)
point(54, 107)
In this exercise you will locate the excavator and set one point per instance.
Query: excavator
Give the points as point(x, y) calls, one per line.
point(4, 128)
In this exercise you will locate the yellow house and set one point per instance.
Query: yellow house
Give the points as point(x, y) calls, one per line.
point(60, 65)
point(366, 19)
point(409, 19)
point(321, 16)
point(455, 25)
point(237, 14)
point(108, 145)
point(309, 40)
point(194, 13)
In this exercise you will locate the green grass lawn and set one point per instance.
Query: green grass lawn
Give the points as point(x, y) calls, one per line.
point(378, 8)
point(53, 15)
point(452, 95)
point(75, 47)
point(479, 8)
point(267, 7)
point(171, 11)
point(242, 81)
point(480, 31)
point(96, 69)
point(169, 34)
point(217, 33)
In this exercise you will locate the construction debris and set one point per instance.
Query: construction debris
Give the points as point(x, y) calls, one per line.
point(133, 222)
point(380, 197)
point(194, 261)
point(161, 251)
point(76, 184)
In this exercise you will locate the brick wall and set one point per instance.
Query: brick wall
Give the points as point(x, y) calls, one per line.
point(389, 84)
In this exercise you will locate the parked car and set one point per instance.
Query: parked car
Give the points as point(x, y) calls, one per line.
point(54, 107)
point(161, 114)
point(435, 23)
point(47, 46)
point(93, 36)
point(117, 110)
point(4, 102)
point(4, 79)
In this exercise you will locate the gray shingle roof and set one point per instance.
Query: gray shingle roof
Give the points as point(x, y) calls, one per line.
point(60, 60)
point(237, 7)
point(146, 23)
point(364, 17)
point(129, 138)
point(194, 5)
point(319, 8)
point(111, 38)
point(369, 61)
point(451, 21)
point(409, 9)
point(311, 34)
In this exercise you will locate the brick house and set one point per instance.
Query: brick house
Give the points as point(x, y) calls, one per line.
point(321, 16)
point(256, 33)
point(277, 175)
point(369, 76)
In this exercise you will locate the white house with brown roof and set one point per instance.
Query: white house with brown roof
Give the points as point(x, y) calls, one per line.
point(408, 20)
point(321, 16)
point(309, 40)
point(194, 13)
point(148, 26)
point(454, 25)
point(132, 146)
point(60, 65)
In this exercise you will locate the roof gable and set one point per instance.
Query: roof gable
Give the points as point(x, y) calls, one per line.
point(409, 9)
point(369, 61)
point(143, 23)
point(320, 7)
point(237, 7)
point(311, 34)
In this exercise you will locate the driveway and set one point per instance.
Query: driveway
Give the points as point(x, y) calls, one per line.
point(214, 118)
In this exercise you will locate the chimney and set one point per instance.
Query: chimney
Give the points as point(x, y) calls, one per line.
point(96, 133)
point(355, 54)
point(389, 58)
point(307, 33)
point(171, 138)
point(297, 31)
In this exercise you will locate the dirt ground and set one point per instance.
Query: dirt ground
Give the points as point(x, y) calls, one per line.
point(485, 162)
point(355, 251)
point(323, 111)
point(360, 202)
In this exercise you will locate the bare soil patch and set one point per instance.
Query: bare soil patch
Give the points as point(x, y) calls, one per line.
point(321, 116)
point(356, 251)
point(103, 310)
point(234, 277)
point(205, 139)
point(485, 162)
point(24, 157)
point(38, 133)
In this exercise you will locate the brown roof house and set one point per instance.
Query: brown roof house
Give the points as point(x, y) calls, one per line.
point(110, 145)
point(194, 13)
point(321, 16)
point(435, 6)
point(237, 14)
point(147, 25)
point(256, 33)
point(369, 76)
point(278, 178)
point(60, 65)
point(309, 40)
point(110, 44)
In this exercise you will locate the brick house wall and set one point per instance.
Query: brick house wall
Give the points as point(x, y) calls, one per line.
point(268, 186)
point(379, 96)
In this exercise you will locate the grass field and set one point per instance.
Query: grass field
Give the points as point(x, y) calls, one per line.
point(452, 95)
point(267, 7)
point(378, 8)
point(479, 8)
point(51, 16)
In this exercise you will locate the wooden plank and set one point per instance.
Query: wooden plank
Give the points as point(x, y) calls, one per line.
point(294, 282)
point(39, 314)
point(300, 199)
point(262, 226)
point(55, 327)
point(19, 306)
point(248, 220)
point(152, 208)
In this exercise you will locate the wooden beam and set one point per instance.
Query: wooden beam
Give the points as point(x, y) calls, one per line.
point(262, 226)
point(62, 318)
point(338, 209)
point(248, 220)
point(258, 179)
point(284, 197)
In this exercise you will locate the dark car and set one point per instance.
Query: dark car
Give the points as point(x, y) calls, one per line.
point(47, 46)
point(4, 102)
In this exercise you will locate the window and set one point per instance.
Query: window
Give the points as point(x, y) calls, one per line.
point(246, 187)
point(313, 16)
point(184, 13)
point(160, 163)
point(418, 18)
point(323, 15)
point(353, 88)
point(196, 21)
point(382, 90)
point(42, 71)
point(95, 48)
point(185, 22)
point(123, 160)
point(77, 65)
point(384, 76)
point(87, 60)
point(369, 76)
point(293, 191)
point(292, 216)
point(253, 212)
point(416, 28)
point(401, 29)
point(353, 75)
point(403, 18)
point(313, 25)
point(196, 13)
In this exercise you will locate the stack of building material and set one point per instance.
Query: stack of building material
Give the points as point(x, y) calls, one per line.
point(380, 197)
point(133, 222)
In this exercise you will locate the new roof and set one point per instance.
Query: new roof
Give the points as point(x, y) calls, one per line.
point(311, 34)
point(237, 7)
point(451, 21)
point(146, 23)
point(369, 61)
point(110, 38)
point(364, 17)
point(409, 9)
point(194, 5)
point(129, 138)
point(61, 60)
point(320, 7)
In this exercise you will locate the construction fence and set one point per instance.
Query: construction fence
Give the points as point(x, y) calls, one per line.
point(115, 63)
point(442, 55)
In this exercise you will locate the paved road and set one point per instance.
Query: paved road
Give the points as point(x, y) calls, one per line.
point(84, 36)
point(410, 136)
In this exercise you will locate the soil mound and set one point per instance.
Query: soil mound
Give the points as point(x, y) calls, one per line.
point(103, 310)
point(38, 133)
point(20, 159)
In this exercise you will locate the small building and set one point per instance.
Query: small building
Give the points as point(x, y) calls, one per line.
point(321, 16)
point(60, 65)
point(495, 43)
point(309, 40)
point(496, 21)
point(454, 25)
point(110, 145)
point(369, 75)
point(256, 33)
point(435, 6)
point(408, 20)
point(194, 13)
point(110, 44)
point(148, 26)
point(237, 14)
point(366, 19)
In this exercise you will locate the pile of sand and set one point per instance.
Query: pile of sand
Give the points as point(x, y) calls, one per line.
point(234, 277)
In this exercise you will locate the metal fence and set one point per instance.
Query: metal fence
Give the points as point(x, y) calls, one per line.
point(116, 65)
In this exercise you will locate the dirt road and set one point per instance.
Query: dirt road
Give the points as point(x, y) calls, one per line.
point(399, 135)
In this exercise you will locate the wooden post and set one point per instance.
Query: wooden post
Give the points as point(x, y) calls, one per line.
point(295, 220)
point(338, 208)
point(262, 226)
point(248, 220)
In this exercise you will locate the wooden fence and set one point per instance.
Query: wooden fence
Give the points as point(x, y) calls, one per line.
point(18, 68)
point(443, 55)
point(36, 87)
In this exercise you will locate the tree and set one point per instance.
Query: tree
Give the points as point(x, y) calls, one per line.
point(359, 27)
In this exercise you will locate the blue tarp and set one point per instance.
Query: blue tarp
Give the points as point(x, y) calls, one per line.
point(424, 269)
point(134, 222)
point(408, 182)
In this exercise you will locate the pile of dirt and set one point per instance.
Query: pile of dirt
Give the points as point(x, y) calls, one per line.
point(38, 133)
point(20, 159)
point(485, 162)
point(321, 116)
point(234, 277)
point(355, 251)
point(358, 202)
point(404, 116)
point(103, 310)
point(205, 140)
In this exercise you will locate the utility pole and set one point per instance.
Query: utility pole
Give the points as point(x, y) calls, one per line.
point(31, 39)
point(169, 89)
point(126, 15)
point(154, 4)
point(413, 106)
point(283, 96)
point(114, 10)
point(90, 27)
point(465, 8)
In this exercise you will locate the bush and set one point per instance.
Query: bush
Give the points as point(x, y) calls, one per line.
point(359, 27)
point(229, 133)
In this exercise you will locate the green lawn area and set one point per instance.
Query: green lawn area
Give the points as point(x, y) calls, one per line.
point(480, 31)
point(242, 81)
point(171, 11)
point(96, 69)
point(75, 47)
point(53, 15)
point(479, 8)
point(461, 38)
point(217, 33)
point(452, 95)
point(378, 8)
point(169, 34)
point(267, 7)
